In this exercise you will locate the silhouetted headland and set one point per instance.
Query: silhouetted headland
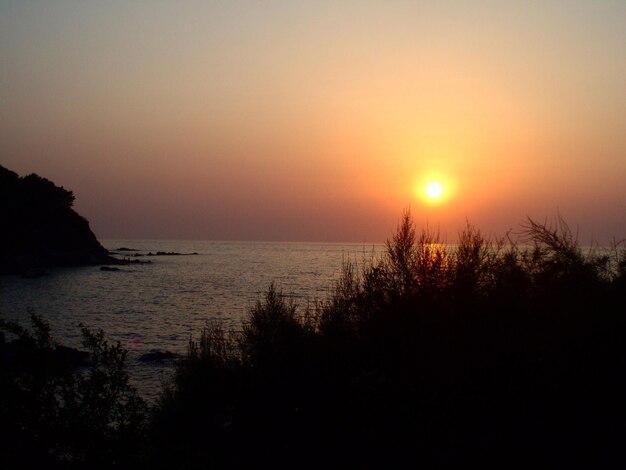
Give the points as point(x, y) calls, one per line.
point(40, 229)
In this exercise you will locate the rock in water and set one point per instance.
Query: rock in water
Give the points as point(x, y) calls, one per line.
point(40, 229)
point(156, 355)
point(109, 268)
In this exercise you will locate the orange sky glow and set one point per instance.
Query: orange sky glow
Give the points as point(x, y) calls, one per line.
point(319, 121)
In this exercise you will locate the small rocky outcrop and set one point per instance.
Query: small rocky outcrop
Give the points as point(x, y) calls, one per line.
point(40, 229)
point(170, 253)
point(157, 355)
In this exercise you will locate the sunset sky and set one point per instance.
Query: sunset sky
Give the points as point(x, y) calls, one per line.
point(319, 120)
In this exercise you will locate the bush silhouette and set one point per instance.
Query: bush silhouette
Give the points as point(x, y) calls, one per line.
point(489, 351)
point(498, 352)
point(57, 412)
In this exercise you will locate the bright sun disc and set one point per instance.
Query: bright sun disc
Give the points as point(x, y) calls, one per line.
point(434, 189)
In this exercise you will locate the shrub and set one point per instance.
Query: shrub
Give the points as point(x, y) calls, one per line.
point(56, 412)
point(489, 351)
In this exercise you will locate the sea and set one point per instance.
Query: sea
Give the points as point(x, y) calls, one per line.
point(159, 305)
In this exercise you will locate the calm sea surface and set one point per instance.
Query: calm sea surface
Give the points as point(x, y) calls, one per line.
point(161, 304)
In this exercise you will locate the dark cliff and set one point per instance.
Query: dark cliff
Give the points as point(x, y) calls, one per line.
point(40, 229)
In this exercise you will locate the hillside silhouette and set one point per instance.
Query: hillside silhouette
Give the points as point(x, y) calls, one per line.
point(40, 227)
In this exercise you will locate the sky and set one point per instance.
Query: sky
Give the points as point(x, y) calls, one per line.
point(319, 120)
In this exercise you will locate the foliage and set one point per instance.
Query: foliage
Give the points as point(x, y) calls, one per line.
point(54, 412)
point(32, 191)
point(492, 351)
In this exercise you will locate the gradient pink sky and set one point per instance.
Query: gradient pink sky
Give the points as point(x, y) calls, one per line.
point(318, 121)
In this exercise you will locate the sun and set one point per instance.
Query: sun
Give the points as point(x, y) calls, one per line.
point(434, 190)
